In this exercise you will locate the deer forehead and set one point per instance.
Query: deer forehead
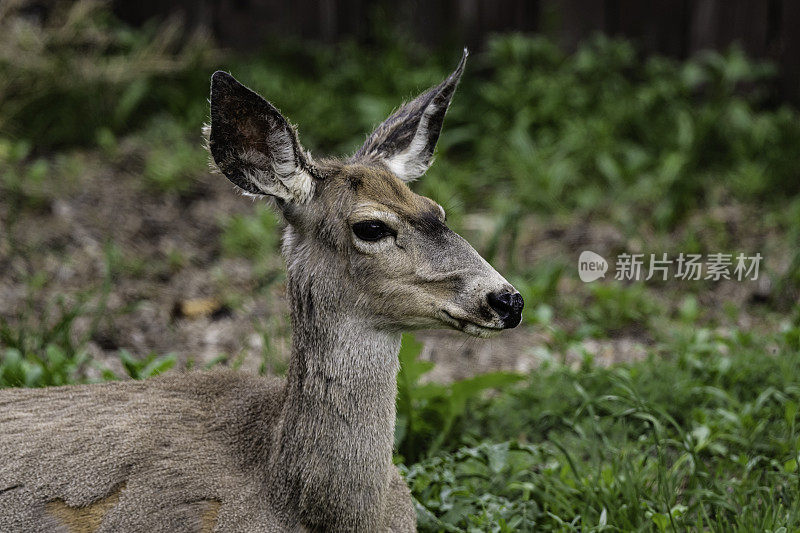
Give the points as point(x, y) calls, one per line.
point(374, 189)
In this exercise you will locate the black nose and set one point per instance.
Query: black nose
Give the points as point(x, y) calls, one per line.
point(508, 306)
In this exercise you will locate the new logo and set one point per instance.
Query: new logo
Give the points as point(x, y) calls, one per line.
point(591, 266)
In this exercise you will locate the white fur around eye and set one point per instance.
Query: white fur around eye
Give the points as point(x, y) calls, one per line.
point(363, 213)
point(374, 247)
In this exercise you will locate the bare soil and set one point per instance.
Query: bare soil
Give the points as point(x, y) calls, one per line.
point(164, 250)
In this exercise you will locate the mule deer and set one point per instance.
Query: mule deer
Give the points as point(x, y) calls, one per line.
point(222, 451)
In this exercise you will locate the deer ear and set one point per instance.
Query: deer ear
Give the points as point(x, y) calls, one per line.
point(254, 146)
point(405, 141)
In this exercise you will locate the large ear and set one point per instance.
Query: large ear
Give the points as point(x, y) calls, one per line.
point(254, 145)
point(405, 141)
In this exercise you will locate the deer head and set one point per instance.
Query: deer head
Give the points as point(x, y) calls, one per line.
point(356, 233)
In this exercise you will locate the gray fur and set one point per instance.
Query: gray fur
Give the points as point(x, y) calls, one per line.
point(228, 452)
point(173, 442)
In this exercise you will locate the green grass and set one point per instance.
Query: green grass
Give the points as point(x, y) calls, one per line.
point(44, 347)
point(46, 350)
point(175, 156)
point(677, 442)
point(81, 72)
point(255, 236)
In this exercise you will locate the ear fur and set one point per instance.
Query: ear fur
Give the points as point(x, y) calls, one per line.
point(254, 146)
point(405, 141)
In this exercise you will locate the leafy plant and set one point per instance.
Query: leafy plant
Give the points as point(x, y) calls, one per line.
point(53, 367)
point(254, 236)
point(428, 412)
point(142, 368)
point(613, 307)
point(41, 351)
point(481, 488)
point(173, 161)
point(702, 440)
point(79, 70)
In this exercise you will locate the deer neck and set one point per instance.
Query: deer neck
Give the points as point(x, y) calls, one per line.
point(333, 447)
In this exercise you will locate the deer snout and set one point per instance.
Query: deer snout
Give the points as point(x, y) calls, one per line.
point(508, 306)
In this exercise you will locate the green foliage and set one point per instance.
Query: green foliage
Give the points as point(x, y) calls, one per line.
point(43, 349)
point(533, 128)
point(428, 412)
point(142, 368)
point(689, 442)
point(256, 237)
point(252, 236)
point(47, 348)
point(81, 71)
point(552, 131)
point(42, 357)
point(174, 157)
point(22, 183)
point(482, 488)
point(54, 355)
point(277, 327)
point(613, 307)
point(54, 367)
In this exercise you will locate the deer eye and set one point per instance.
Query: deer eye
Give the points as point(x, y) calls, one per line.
point(372, 230)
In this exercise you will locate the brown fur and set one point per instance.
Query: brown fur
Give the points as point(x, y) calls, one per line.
point(209, 517)
point(83, 519)
point(384, 189)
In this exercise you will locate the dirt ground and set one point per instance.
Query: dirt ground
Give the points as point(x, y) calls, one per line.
point(171, 289)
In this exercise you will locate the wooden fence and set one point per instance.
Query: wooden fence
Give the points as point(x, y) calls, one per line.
point(678, 28)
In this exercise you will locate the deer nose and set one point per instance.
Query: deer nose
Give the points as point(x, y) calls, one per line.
point(508, 306)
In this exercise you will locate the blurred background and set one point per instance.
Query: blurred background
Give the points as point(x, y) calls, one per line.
point(675, 28)
point(613, 126)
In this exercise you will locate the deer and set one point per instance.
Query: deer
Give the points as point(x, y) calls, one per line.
point(223, 451)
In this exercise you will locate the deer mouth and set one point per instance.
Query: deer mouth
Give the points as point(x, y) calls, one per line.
point(470, 327)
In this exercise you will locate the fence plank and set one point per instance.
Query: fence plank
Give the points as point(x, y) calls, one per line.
point(678, 28)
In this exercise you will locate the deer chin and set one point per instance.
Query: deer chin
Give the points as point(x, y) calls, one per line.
point(470, 327)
